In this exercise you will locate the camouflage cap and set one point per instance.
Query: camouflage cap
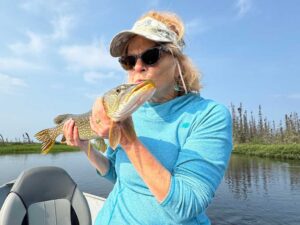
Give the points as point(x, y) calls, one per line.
point(149, 28)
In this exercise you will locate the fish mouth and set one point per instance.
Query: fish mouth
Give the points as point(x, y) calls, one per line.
point(143, 86)
point(139, 94)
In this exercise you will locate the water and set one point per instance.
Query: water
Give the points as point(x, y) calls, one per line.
point(254, 190)
point(258, 191)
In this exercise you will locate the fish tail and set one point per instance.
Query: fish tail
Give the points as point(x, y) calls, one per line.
point(47, 137)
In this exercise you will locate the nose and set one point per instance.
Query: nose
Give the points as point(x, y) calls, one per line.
point(139, 66)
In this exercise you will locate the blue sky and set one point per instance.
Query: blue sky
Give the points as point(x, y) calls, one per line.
point(54, 54)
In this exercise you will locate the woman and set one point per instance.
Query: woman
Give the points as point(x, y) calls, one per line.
point(170, 173)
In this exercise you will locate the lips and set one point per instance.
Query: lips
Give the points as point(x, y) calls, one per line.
point(138, 81)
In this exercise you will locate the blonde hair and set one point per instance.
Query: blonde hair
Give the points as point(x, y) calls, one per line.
point(190, 73)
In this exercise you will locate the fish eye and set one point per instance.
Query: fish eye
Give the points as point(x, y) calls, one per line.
point(118, 90)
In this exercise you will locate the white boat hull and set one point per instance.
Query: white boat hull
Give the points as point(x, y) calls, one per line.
point(95, 204)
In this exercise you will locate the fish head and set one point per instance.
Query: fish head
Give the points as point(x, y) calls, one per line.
point(120, 102)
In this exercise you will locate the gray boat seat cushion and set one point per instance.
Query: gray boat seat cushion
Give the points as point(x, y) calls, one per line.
point(45, 196)
point(50, 212)
point(4, 191)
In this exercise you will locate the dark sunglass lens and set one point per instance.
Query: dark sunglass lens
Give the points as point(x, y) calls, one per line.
point(127, 62)
point(131, 60)
point(151, 56)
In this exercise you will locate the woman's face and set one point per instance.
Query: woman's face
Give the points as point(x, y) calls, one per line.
point(162, 73)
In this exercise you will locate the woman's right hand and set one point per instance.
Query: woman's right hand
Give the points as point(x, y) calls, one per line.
point(99, 121)
point(71, 134)
point(99, 161)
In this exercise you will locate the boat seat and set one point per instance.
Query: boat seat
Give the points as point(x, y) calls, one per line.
point(4, 191)
point(45, 196)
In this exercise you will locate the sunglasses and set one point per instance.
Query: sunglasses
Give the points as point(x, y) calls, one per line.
point(148, 57)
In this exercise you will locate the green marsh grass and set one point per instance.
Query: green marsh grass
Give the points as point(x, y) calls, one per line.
point(280, 151)
point(21, 148)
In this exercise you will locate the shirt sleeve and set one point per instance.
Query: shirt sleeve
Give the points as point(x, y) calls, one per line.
point(111, 172)
point(201, 164)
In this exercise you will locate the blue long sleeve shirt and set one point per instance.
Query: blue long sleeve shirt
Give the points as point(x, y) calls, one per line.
point(192, 138)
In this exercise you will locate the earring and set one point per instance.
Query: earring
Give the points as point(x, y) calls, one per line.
point(176, 87)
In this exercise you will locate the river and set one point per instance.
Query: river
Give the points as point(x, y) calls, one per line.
point(253, 191)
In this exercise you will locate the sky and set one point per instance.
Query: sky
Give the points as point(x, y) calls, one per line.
point(54, 56)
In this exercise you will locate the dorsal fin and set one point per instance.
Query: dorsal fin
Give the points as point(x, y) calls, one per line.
point(61, 118)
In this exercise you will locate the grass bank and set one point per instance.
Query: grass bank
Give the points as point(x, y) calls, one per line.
point(20, 148)
point(280, 151)
point(286, 151)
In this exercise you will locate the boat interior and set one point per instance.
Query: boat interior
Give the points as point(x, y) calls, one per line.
point(46, 195)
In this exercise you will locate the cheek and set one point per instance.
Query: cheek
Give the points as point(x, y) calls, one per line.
point(130, 77)
point(165, 73)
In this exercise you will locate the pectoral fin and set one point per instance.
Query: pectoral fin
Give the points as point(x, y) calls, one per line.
point(100, 144)
point(128, 129)
point(114, 135)
point(63, 140)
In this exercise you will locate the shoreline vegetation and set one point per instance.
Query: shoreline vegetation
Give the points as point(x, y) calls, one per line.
point(252, 135)
point(257, 136)
point(278, 151)
point(26, 148)
point(259, 130)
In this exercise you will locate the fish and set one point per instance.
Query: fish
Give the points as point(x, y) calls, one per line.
point(118, 103)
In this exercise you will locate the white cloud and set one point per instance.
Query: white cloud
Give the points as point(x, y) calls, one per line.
point(95, 77)
point(31, 6)
point(42, 6)
point(17, 64)
point(62, 23)
point(9, 84)
point(35, 44)
point(243, 6)
point(195, 26)
point(92, 56)
point(62, 27)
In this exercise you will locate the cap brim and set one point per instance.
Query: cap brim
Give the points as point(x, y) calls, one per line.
point(119, 42)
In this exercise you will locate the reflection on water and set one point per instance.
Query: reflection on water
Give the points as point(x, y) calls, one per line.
point(258, 191)
point(254, 190)
point(246, 175)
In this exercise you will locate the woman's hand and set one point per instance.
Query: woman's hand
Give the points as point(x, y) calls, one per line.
point(99, 161)
point(99, 121)
point(72, 135)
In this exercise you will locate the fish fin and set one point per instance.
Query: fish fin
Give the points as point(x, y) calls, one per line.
point(47, 137)
point(61, 118)
point(128, 129)
point(100, 144)
point(63, 140)
point(114, 135)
